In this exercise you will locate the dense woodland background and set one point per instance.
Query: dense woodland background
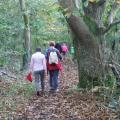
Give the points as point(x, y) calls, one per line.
point(45, 22)
point(91, 26)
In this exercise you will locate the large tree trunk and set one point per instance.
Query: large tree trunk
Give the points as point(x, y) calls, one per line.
point(26, 44)
point(88, 54)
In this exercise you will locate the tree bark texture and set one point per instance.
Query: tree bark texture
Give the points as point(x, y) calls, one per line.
point(88, 56)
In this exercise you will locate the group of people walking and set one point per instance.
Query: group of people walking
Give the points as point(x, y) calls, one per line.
point(50, 63)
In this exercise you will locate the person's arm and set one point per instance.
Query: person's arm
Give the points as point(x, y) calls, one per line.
point(60, 49)
point(46, 54)
point(59, 55)
point(44, 64)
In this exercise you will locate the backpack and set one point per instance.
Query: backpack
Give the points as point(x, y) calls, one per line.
point(53, 58)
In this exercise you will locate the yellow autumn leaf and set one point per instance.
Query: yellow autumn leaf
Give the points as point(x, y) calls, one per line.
point(118, 1)
point(92, 0)
point(68, 14)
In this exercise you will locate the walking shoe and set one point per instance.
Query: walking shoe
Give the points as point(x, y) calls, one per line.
point(38, 93)
point(51, 89)
point(57, 90)
point(42, 93)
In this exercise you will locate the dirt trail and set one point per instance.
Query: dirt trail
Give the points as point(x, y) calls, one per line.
point(67, 104)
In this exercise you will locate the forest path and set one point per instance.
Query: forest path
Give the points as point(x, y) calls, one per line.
point(67, 104)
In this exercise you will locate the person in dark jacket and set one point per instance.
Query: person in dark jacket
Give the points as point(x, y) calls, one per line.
point(53, 69)
point(58, 46)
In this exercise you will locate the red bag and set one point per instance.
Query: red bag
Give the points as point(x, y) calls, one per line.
point(29, 77)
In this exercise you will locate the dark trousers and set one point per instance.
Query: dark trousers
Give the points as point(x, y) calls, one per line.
point(39, 79)
point(54, 79)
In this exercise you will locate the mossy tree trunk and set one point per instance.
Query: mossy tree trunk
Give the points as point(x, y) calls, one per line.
point(88, 55)
point(26, 44)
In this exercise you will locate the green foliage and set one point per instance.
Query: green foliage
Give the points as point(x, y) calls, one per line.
point(11, 31)
point(46, 23)
point(108, 10)
point(110, 81)
point(23, 89)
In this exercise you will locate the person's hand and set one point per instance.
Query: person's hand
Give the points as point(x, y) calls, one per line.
point(61, 60)
point(30, 71)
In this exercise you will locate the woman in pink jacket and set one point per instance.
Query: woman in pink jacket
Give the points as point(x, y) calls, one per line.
point(64, 49)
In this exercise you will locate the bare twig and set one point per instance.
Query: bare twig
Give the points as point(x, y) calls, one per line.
point(115, 72)
point(116, 63)
point(4, 73)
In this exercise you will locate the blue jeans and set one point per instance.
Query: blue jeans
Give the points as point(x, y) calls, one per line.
point(54, 79)
point(39, 79)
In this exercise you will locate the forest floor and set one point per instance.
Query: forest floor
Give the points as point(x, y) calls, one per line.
point(67, 104)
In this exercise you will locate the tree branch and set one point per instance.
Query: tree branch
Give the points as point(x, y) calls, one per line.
point(67, 5)
point(101, 2)
point(116, 73)
point(110, 26)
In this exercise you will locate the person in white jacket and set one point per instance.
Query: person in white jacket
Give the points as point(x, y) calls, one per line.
point(38, 67)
